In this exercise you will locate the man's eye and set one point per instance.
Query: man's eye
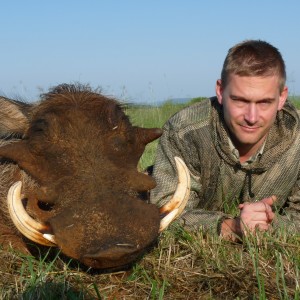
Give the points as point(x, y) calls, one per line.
point(265, 103)
point(239, 102)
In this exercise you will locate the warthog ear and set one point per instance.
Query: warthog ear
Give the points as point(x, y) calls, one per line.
point(140, 182)
point(147, 135)
point(19, 152)
point(13, 117)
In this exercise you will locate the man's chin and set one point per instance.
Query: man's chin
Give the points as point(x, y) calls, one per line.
point(247, 140)
point(249, 143)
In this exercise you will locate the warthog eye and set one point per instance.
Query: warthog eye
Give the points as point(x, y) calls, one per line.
point(39, 126)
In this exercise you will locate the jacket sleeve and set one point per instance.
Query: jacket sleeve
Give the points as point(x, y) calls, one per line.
point(165, 174)
point(288, 217)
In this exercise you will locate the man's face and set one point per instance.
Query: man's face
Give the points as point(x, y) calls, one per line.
point(250, 105)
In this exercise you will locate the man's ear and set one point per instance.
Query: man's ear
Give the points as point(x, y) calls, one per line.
point(282, 98)
point(219, 91)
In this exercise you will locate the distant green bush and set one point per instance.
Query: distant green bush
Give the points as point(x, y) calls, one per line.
point(295, 100)
point(195, 100)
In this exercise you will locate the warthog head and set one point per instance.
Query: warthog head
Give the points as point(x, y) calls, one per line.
point(77, 185)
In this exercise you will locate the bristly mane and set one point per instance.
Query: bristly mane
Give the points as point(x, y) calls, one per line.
point(83, 96)
point(70, 88)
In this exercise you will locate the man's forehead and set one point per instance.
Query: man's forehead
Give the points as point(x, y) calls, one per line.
point(261, 85)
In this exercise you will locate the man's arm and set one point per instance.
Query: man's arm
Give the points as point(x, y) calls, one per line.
point(288, 213)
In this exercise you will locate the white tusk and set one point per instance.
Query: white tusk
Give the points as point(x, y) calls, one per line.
point(24, 223)
point(179, 200)
point(49, 237)
point(164, 223)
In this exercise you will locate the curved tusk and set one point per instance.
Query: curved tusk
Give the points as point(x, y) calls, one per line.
point(50, 237)
point(180, 197)
point(164, 223)
point(29, 227)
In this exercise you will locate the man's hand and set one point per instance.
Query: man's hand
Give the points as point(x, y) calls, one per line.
point(257, 215)
point(253, 216)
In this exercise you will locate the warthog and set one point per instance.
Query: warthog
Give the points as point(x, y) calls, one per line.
point(69, 178)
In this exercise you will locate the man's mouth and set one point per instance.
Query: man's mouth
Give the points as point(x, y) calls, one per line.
point(249, 129)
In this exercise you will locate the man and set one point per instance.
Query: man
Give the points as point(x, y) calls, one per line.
point(242, 149)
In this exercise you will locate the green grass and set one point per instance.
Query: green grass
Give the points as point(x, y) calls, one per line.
point(184, 265)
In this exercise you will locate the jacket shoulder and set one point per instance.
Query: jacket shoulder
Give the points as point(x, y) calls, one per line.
point(192, 117)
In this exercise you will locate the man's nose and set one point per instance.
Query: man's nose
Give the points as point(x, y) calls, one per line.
point(251, 115)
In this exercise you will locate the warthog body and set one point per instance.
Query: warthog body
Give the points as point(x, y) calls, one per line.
point(76, 154)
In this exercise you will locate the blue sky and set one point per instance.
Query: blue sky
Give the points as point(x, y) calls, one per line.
point(137, 51)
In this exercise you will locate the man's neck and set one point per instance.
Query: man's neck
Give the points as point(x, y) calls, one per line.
point(246, 151)
point(246, 157)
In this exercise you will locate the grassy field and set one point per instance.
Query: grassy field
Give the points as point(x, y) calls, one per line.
point(183, 265)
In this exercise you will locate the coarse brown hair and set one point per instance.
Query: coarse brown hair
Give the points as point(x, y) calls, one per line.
point(254, 58)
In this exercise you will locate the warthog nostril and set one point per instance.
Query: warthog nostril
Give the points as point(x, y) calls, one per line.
point(45, 206)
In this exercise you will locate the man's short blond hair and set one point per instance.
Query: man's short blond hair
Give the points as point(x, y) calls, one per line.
point(254, 58)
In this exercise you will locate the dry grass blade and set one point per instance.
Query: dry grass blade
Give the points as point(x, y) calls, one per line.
point(183, 266)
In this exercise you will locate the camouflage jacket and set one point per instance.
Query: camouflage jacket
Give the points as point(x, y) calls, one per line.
point(218, 181)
